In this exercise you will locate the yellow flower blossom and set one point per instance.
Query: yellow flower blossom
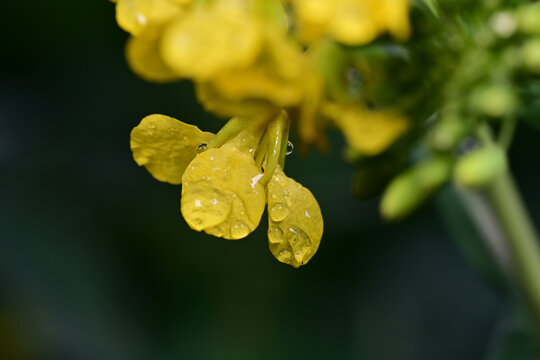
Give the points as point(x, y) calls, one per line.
point(352, 22)
point(369, 132)
point(276, 79)
point(209, 39)
point(224, 188)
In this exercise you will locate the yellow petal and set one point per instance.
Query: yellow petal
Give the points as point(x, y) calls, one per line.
point(295, 221)
point(208, 40)
point(277, 76)
point(214, 102)
point(135, 16)
point(143, 57)
point(221, 193)
point(353, 22)
point(394, 15)
point(370, 132)
point(165, 146)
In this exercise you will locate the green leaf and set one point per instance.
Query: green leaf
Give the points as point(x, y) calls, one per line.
point(433, 6)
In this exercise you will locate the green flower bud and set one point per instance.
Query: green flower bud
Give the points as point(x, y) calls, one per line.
point(494, 100)
point(528, 18)
point(410, 189)
point(447, 134)
point(479, 168)
point(531, 54)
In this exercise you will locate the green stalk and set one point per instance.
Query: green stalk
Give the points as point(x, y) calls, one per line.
point(522, 239)
point(227, 132)
point(521, 236)
point(275, 137)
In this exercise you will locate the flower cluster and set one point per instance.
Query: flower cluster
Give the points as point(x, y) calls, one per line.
point(256, 61)
point(228, 178)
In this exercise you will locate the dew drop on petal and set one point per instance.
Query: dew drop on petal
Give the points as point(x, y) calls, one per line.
point(279, 211)
point(275, 235)
point(201, 148)
point(290, 148)
point(284, 256)
point(239, 230)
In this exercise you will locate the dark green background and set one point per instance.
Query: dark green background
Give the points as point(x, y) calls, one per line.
point(97, 263)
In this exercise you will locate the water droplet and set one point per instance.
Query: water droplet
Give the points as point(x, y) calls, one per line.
point(275, 235)
point(274, 196)
point(214, 201)
point(201, 148)
point(299, 239)
point(284, 256)
point(239, 230)
point(279, 211)
point(288, 200)
point(290, 148)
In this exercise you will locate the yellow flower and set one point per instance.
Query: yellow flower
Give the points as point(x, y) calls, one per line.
point(352, 22)
point(210, 39)
point(276, 78)
point(227, 180)
point(369, 132)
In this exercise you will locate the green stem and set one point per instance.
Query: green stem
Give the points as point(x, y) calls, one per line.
point(275, 136)
point(227, 132)
point(284, 143)
point(522, 239)
point(507, 131)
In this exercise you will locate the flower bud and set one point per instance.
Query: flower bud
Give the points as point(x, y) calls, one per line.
point(528, 18)
point(447, 134)
point(494, 100)
point(410, 189)
point(480, 167)
point(530, 53)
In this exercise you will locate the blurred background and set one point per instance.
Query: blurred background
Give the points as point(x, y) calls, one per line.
point(96, 261)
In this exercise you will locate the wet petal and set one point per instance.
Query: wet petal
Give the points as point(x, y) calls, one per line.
point(165, 146)
point(221, 193)
point(295, 223)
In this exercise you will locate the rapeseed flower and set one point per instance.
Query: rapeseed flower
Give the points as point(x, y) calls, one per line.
point(228, 178)
point(249, 59)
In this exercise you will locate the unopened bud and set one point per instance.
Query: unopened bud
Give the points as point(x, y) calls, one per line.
point(531, 54)
point(447, 134)
point(410, 189)
point(528, 18)
point(480, 167)
point(494, 100)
